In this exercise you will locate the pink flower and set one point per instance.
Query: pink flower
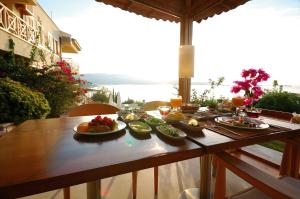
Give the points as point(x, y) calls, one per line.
point(252, 72)
point(245, 85)
point(257, 91)
point(248, 101)
point(254, 82)
point(245, 73)
point(252, 91)
point(236, 89)
point(70, 78)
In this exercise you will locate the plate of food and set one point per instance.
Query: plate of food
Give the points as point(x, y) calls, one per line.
point(153, 121)
point(140, 127)
point(244, 123)
point(99, 126)
point(171, 132)
point(192, 124)
point(174, 117)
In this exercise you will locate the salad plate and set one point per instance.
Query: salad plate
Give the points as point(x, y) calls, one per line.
point(140, 127)
point(171, 132)
point(130, 117)
point(153, 121)
point(247, 123)
point(119, 127)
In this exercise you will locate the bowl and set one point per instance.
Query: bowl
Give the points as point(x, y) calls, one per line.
point(189, 125)
point(253, 113)
point(174, 117)
point(189, 108)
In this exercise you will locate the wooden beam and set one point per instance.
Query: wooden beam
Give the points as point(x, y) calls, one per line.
point(186, 37)
point(159, 7)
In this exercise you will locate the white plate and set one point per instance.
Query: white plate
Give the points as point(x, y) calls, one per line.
point(181, 134)
point(259, 124)
point(121, 126)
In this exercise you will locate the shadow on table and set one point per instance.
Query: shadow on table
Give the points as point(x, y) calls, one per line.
point(98, 138)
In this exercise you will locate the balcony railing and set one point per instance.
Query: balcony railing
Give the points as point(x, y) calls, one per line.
point(13, 24)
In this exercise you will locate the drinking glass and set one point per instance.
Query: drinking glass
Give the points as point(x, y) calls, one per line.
point(176, 102)
point(164, 110)
point(238, 103)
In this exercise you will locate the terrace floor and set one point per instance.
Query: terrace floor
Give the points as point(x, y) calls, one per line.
point(173, 179)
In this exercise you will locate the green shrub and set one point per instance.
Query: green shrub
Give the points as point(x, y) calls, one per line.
point(211, 103)
point(19, 103)
point(101, 96)
point(280, 101)
point(131, 101)
point(207, 98)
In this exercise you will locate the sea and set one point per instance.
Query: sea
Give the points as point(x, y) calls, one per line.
point(163, 92)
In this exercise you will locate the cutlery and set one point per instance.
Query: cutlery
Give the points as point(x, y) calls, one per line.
point(275, 126)
point(223, 128)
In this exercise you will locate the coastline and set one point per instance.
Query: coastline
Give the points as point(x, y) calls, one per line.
point(164, 91)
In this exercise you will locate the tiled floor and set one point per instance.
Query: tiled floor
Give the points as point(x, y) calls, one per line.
point(173, 179)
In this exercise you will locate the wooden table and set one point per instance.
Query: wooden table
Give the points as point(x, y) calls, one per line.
point(42, 155)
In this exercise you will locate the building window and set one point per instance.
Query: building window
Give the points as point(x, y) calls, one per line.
point(50, 41)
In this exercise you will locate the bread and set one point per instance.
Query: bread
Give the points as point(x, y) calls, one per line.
point(295, 118)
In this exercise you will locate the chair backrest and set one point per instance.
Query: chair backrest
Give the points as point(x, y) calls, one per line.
point(277, 114)
point(92, 109)
point(286, 188)
point(153, 105)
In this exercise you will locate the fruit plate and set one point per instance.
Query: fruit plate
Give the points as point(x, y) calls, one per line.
point(171, 132)
point(121, 126)
point(249, 123)
point(140, 127)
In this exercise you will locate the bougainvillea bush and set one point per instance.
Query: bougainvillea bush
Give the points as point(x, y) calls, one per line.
point(61, 88)
point(249, 85)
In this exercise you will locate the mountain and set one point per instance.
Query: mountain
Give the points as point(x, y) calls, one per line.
point(110, 79)
point(113, 79)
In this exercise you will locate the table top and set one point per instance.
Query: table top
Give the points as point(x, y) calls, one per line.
point(212, 141)
point(42, 155)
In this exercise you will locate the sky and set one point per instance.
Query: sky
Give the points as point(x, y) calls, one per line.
point(259, 34)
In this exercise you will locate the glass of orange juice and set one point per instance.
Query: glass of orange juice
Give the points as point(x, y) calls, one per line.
point(176, 102)
point(237, 102)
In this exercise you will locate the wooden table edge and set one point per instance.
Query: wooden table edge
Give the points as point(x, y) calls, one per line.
point(24, 189)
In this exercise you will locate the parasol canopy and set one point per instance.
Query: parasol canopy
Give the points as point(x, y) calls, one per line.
point(175, 10)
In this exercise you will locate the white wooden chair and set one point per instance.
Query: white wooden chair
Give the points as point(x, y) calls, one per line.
point(95, 109)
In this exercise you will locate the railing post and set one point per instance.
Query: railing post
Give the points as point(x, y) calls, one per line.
point(4, 18)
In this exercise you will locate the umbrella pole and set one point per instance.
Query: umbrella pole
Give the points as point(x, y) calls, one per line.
point(186, 36)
